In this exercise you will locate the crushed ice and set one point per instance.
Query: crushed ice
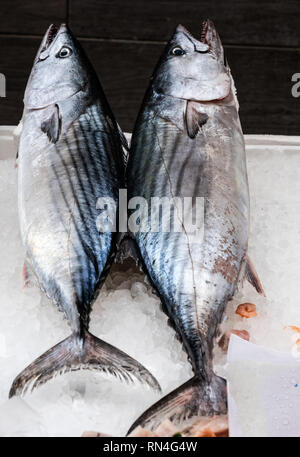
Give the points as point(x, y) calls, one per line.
point(127, 314)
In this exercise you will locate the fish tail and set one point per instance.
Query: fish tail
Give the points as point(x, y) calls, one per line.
point(196, 397)
point(81, 352)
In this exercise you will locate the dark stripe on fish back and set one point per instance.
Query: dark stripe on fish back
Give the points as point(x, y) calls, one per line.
point(83, 159)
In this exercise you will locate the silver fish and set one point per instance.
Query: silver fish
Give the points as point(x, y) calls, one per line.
point(70, 154)
point(188, 142)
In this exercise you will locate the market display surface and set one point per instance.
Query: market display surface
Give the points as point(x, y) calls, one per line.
point(127, 314)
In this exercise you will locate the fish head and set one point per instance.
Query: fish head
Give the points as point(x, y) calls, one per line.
point(193, 69)
point(60, 70)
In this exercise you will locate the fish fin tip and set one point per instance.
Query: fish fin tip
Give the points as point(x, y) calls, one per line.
point(28, 277)
point(252, 277)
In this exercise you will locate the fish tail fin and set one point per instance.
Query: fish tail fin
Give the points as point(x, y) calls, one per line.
point(81, 352)
point(196, 397)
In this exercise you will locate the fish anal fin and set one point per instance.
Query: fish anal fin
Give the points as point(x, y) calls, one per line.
point(252, 277)
point(52, 125)
point(194, 119)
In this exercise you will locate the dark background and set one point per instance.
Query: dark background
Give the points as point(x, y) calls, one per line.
point(125, 38)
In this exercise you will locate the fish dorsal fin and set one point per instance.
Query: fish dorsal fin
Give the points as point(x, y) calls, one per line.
point(52, 125)
point(194, 119)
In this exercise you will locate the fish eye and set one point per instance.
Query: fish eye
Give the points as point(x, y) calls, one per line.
point(64, 52)
point(177, 51)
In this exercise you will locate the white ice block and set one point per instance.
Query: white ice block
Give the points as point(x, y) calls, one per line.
point(263, 391)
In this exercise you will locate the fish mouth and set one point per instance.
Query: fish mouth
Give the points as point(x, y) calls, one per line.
point(52, 33)
point(204, 30)
point(206, 25)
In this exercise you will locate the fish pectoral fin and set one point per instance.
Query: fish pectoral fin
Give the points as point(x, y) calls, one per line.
point(194, 119)
point(71, 108)
point(52, 125)
point(63, 114)
point(252, 277)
